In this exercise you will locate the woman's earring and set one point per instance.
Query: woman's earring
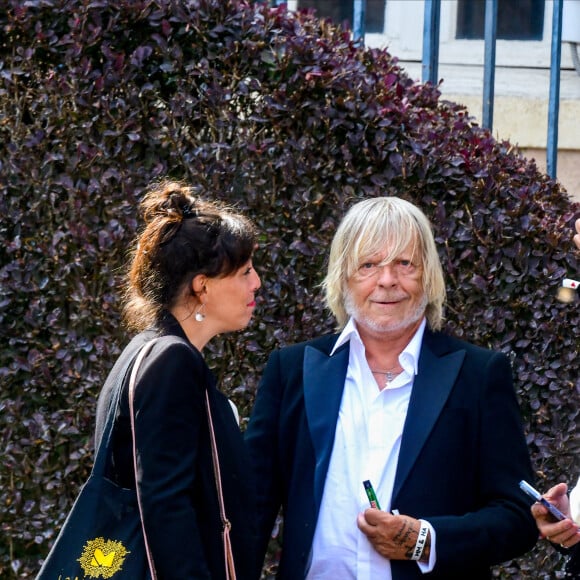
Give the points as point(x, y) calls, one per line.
point(199, 315)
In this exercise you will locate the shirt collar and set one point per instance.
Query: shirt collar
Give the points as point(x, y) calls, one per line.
point(410, 352)
point(348, 332)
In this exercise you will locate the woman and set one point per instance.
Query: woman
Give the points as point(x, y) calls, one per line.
point(191, 278)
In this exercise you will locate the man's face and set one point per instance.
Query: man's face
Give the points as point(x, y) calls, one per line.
point(387, 298)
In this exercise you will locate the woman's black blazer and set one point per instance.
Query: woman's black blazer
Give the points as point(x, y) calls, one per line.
point(175, 470)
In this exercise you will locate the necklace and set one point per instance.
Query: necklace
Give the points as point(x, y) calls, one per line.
point(389, 374)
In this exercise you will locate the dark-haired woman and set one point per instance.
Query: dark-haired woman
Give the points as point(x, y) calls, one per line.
point(191, 277)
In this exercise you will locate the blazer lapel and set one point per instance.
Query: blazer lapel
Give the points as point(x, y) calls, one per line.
point(324, 378)
point(433, 383)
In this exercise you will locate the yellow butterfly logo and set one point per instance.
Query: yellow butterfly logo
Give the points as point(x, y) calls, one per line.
point(102, 558)
point(99, 559)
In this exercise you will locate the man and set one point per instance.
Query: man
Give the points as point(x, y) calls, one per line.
point(432, 422)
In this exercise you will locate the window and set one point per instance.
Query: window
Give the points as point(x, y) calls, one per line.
point(524, 29)
point(341, 12)
point(521, 20)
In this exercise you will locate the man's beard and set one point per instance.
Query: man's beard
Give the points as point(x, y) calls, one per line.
point(373, 324)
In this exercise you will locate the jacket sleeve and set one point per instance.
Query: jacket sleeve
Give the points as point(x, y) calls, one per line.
point(499, 525)
point(170, 413)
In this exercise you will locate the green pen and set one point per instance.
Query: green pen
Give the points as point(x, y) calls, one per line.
point(371, 494)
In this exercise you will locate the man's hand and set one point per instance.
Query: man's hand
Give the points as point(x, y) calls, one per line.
point(393, 537)
point(566, 532)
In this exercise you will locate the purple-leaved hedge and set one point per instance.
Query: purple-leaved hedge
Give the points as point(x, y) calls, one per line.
point(284, 116)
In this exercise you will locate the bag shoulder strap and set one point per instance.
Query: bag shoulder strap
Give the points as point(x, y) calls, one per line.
point(132, 382)
point(226, 524)
point(103, 444)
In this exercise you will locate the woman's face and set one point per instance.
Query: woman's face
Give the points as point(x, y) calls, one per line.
point(230, 301)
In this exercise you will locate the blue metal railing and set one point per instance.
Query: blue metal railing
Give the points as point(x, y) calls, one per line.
point(554, 100)
point(430, 62)
point(358, 20)
point(430, 58)
point(431, 26)
point(490, 36)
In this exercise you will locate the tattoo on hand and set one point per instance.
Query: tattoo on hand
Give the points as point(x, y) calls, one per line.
point(403, 538)
point(400, 536)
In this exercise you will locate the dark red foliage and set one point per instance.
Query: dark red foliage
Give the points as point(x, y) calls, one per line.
point(284, 116)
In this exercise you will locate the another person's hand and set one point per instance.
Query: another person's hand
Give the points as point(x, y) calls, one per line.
point(577, 236)
point(393, 537)
point(565, 533)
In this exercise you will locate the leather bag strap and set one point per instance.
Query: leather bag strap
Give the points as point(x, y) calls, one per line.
point(132, 382)
point(226, 524)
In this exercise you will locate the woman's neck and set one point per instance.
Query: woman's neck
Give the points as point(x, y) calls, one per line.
point(198, 333)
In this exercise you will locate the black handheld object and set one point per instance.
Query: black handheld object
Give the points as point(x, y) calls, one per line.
point(537, 496)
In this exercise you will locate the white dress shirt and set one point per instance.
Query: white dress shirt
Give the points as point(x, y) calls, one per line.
point(366, 446)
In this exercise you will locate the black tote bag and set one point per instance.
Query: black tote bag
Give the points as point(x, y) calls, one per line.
point(102, 536)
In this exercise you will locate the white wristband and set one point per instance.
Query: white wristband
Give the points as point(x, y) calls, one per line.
point(421, 541)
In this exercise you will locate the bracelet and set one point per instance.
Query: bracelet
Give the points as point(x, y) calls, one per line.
point(421, 541)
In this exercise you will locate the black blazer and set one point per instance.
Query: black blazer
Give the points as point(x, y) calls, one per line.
point(176, 477)
point(462, 454)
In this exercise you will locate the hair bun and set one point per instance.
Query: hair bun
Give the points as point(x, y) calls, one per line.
point(188, 211)
point(179, 202)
